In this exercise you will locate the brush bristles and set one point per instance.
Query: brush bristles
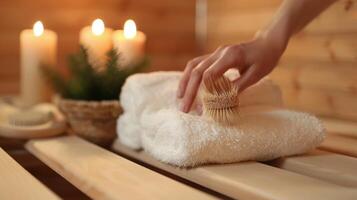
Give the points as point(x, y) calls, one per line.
point(220, 100)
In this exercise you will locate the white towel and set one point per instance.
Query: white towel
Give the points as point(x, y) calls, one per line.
point(152, 121)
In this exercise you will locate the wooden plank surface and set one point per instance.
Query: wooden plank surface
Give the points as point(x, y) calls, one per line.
point(342, 127)
point(17, 183)
point(250, 180)
point(339, 76)
point(339, 18)
point(340, 144)
point(103, 175)
point(326, 103)
point(46, 176)
point(335, 168)
point(319, 47)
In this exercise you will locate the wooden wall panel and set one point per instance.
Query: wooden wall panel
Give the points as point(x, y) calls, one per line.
point(168, 24)
point(319, 75)
point(318, 72)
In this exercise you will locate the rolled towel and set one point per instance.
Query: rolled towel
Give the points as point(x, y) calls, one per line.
point(152, 121)
point(141, 92)
point(129, 128)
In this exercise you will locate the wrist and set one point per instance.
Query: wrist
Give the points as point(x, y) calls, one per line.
point(276, 34)
point(280, 29)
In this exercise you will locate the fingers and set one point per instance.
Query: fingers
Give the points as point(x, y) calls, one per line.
point(215, 70)
point(232, 57)
point(252, 75)
point(186, 75)
point(210, 68)
point(194, 83)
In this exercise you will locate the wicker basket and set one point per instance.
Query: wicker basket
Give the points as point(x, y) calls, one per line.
point(92, 120)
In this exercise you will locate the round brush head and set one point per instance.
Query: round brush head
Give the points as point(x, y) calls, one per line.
point(29, 118)
point(220, 100)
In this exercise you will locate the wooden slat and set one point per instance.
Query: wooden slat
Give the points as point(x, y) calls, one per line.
point(224, 6)
point(9, 88)
point(336, 19)
point(304, 47)
point(340, 144)
point(69, 42)
point(340, 126)
point(169, 62)
point(104, 4)
point(317, 75)
point(323, 102)
point(175, 22)
point(341, 47)
point(17, 183)
point(47, 176)
point(250, 180)
point(323, 165)
point(103, 175)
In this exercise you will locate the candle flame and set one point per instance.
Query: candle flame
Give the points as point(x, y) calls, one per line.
point(38, 28)
point(129, 29)
point(98, 27)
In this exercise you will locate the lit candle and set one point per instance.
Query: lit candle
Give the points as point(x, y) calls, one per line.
point(38, 47)
point(97, 40)
point(129, 43)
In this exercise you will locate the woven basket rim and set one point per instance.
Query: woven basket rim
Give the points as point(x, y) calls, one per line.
point(101, 103)
point(90, 110)
point(90, 101)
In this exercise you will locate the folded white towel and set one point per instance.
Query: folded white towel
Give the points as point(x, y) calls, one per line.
point(152, 121)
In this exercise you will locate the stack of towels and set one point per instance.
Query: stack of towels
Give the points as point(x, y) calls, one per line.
point(264, 131)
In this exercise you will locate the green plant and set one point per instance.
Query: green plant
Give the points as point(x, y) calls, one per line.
point(85, 83)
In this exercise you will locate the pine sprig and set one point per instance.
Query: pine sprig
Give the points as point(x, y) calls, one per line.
point(85, 83)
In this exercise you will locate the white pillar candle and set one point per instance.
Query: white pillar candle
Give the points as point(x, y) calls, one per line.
point(98, 41)
point(38, 47)
point(129, 43)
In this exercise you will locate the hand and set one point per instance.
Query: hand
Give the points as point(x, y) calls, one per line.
point(254, 60)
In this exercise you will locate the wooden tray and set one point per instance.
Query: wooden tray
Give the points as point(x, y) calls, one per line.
point(54, 127)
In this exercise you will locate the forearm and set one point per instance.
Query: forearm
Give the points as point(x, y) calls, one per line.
point(294, 15)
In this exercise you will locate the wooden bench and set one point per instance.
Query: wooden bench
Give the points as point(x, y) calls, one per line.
point(326, 173)
point(103, 175)
point(342, 137)
point(331, 167)
point(340, 144)
point(17, 183)
point(253, 180)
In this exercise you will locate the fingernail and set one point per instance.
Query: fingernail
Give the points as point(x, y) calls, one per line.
point(199, 109)
point(183, 107)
